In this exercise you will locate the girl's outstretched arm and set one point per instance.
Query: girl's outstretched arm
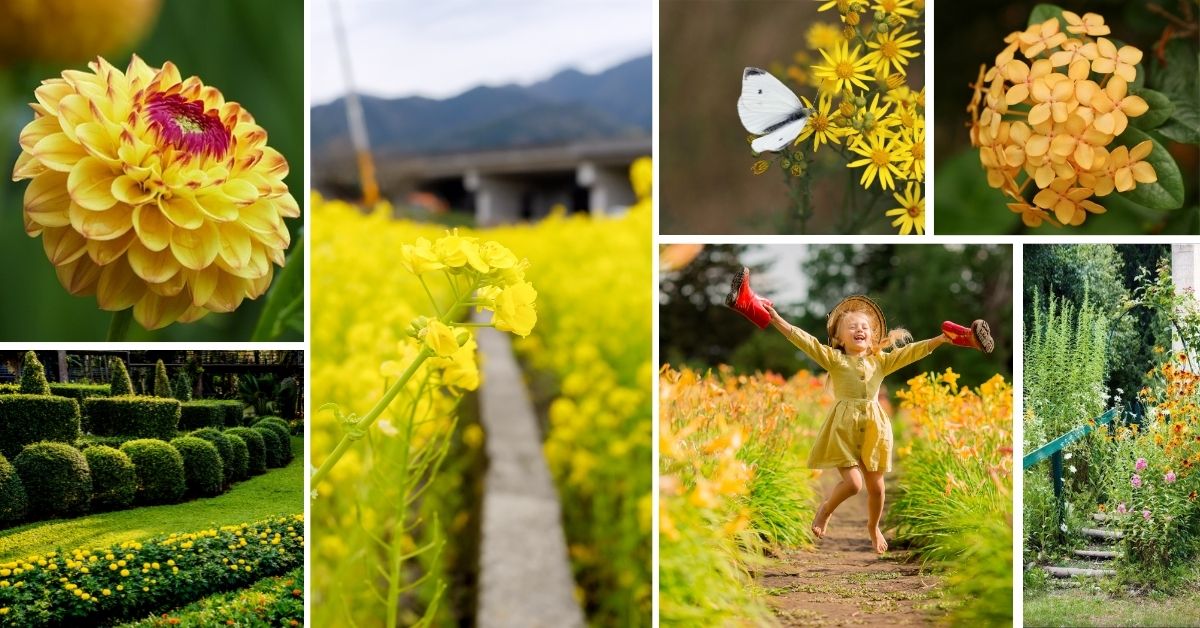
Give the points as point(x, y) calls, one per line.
point(902, 357)
point(823, 355)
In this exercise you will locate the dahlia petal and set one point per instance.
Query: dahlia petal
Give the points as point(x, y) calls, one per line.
point(287, 206)
point(241, 191)
point(73, 110)
point(196, 248)
point(181, 211)
point(192, 315)
point(50, 93)
point(98, 143)
point(58, 152)
point(138, 72)
point(155, 312)
point(153, 229)
point(119, 287)
point(235, 244)
point(273, 164)
point(258, 287)
point(104, 225)
point(229, 294)
point(63, 245)
point(204, 283)
point(152, 266)
point(260, 217)
point(47, 201)
point(126, 189)
point(28, 166)
point(80, 277)
point(170, 287)
point(216, 206)
point(90, 184)
point(38, 129)
point(104, 252)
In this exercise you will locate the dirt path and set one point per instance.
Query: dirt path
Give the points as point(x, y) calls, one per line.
point(843, 582)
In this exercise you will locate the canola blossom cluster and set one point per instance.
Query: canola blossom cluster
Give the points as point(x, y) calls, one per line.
point(152, 192)
point(864, 100)
point(1047, 112)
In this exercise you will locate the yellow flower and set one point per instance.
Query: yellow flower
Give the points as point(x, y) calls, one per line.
point(419, 257)
point(822, 35)
point(124, 573)
point(1114, 105)
point(911, 213)
point(496, 255)
point(844, 70)
point(902, 8)
point(880, 158)
point(1109, 60)
point(891, 50)
point(153, 192)
point(456, 251)
point(820, 126)
point(911, 143)
point(71, 31)
point(761, 165)
point(1129, 167)
point(1032, 216)
point(1090, 24)
point(459, 370)
point(1039, 37)
point(1068, 203)
point(440, 339)
point(515, 310)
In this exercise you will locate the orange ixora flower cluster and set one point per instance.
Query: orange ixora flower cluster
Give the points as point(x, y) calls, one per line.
point(1052, 112)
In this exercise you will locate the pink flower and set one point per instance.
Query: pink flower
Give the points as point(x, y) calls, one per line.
point(1140, 464)
point(1169, 478)
point(1136, 481)
point(1121, 509)
point(1146, 514)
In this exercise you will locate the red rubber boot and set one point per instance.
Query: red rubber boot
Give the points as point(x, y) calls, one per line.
point(742, 299)
point(977, 336)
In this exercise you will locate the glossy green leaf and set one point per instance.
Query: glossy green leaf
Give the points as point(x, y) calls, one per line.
point(284, 312)
point(1161, 108)
point(1043, 12)
point(1167, 192)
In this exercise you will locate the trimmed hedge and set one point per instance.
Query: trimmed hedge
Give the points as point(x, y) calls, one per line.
point(33, 376)
point(119, 381)
point(194, 415)
point(160, 472)
point(114, 481)
point(79, 392)
point(56, 479)
point(10, 389)
point(272, 447)
point(234, 412)
point(89, 440)
point(257, 460)
point(201, 465)
point(144, 417)
point(27, 419)
point(224, 449)
point(12, 493)
point(239, 461)
point(280, 427)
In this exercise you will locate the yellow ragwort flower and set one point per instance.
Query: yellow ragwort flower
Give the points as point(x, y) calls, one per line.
point(880, 157)
point(902, 8)
point(890, 50)
point(910, 215)
point(822, 35)
point(153, 192)
point(844, 68)
point(820, 125)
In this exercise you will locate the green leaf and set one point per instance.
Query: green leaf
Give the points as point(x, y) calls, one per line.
point(1184, 124)
point(1043, 12)
point(1167, 192)
point(1161, 108)
point(284, 310)
point(1176, 77)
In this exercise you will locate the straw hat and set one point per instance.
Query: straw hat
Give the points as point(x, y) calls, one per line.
point(859, 303)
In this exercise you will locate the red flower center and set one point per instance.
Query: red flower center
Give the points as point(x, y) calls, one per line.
point(185, 125)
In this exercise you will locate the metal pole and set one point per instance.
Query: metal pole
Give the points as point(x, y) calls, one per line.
point(354, 113)
point(1056, 474)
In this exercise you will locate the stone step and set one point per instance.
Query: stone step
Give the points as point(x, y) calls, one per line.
point(1101, 554)
point(1102, 533)
point(1104, 516)
point(1073, 572)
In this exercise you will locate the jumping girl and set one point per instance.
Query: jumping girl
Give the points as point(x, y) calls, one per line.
point(856, 437)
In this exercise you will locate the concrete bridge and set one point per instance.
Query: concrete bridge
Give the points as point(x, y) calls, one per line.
point(511, 185)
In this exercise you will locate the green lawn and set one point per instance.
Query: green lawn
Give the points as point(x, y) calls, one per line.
point(279, 491)
point(1080, 608)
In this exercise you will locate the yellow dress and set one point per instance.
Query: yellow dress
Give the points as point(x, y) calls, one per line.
point(857, 430)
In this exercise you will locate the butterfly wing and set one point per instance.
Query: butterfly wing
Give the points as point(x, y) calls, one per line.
point(765, 102)
point(780, 136)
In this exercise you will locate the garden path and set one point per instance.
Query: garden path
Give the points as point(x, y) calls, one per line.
point(843, 582)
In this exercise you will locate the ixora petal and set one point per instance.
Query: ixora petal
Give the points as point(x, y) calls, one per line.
point(152, 189)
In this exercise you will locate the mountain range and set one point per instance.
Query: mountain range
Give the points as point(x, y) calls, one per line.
point(568, 107)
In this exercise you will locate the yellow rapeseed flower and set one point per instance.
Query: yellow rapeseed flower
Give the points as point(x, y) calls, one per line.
point(515, 310)
point(151, 191)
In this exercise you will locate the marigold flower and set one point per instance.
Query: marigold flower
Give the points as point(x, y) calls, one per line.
point(152, 192)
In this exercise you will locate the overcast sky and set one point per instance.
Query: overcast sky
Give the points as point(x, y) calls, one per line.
point(439, 48)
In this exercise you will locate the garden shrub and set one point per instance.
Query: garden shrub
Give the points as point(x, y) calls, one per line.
point(202, 465)
point(280, 427)
point(181, 389)
point(10, 389)
point(194, 415)
point(256, 450)
point(272, 447)
point(114, 481)
point(33, 376)
point(277, 601)
point(239, 460)
point(56, 479)
point(234, 412)
point(26, 419)
point(162, 383)
point(224, 449)
point(90, 440)
point(79, 392)
point(160, 472)
point(120, 384)
point(145, 417)
point(13, 501)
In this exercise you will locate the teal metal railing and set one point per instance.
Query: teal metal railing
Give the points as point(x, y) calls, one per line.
point(1054, 451)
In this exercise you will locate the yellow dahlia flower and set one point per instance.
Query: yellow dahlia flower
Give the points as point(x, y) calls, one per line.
point(71, 31)
point(153, 192)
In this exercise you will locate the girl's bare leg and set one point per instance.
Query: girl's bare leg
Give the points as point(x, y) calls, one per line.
point(851, 485)
point(875, 488)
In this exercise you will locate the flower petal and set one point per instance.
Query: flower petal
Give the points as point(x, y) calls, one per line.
point(181, 211)
point(153, 229)
point(127, 190)
point(79, 277)
point(196, 248)
point(90, 184)
point(47, 201)
point(58, 152)
point(235, 244)
point(119, 287)
point(104, 225)
point(63, 245)
point(153, 266)
point(154, 311)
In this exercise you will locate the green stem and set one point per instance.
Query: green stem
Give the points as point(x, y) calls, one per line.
point(119, 327)
point(430, 295)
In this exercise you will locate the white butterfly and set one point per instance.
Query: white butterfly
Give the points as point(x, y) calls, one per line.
point(768, 108)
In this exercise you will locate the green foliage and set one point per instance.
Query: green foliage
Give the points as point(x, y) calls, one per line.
point(202, 465)
point(282, 432)
point(26, 419)
point(145, 417)
point(224, 449)
point(234, 411)
point(194, 415)
point(33, 376)
point(1165, 193)
point(120, 383)
point(160, 472)
point(273, 446)
point(90, 440)
point(283, 313)
point(781, 496)
point(79, 392)
point(114, 481)
point(239, 458)
point(162, 383)
point(983, 577)
point(181, 389)
point(208, 561)
point(256, 449)
point(13, 501)
point(56, 478)
point(277, 601)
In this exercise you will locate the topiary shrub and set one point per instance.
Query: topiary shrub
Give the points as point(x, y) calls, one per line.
point(239, 458)
point(119, 382)
point(256, 463)
point(234, 412)
point(162, 383)
point(89, 440)
point(27, 419)
point(114, 481)
point(280, 427)
point(159, 467)
point(33, 376)
point(12, 493)
point(79, 392)
point(144, 417)
point(56, 479)
point(194, 415)
point(181, 389)
point(221, 442)
point(272, 447)
point(10, 389)
point(202, 466)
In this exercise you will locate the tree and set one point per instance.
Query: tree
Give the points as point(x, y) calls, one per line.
point(182, 389)
point(33, 376)
point(119, 383)
point(162, 383)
